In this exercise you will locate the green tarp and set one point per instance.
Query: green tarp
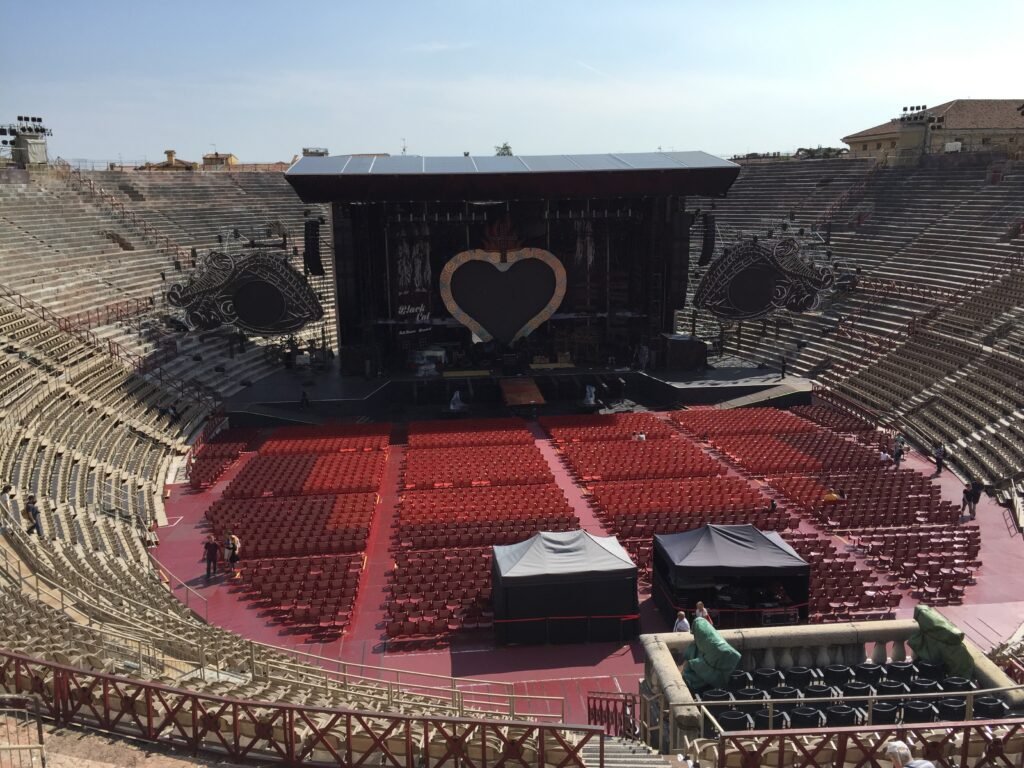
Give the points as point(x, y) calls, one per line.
point(938, 641)
point(709, 660)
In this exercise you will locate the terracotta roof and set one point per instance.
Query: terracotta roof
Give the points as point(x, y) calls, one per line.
point(959, 114)
point(893, 126)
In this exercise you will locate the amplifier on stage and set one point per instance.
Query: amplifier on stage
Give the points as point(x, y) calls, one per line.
point(683, 352)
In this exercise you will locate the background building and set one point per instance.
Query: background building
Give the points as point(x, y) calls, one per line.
point(961, 125)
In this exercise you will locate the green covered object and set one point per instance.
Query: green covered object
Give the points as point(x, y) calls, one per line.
point(709, 660)
point(938, 641)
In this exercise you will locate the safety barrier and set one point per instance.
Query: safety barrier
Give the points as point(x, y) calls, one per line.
point(289, 734)
point(615, 711)
point(21, 732)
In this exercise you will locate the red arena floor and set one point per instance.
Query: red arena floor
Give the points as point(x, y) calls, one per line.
point(991, 610)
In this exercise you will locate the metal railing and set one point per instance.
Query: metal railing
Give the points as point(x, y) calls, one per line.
point(192, 600)
point(615, 711)
point(21, 732)
point(977, 743)
point(462, 696)
point(148, 366)
point(288, 733)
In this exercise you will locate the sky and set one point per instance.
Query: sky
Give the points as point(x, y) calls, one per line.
point(126, 80)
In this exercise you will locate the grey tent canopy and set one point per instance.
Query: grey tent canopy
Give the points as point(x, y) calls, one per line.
point(575, 555)
point(713, 550)
point(738, 571)
point(568, 586)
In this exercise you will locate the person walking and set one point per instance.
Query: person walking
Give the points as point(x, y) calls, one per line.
point(211, 554)
point(32, 513)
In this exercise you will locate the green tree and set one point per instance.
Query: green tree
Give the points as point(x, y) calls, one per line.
point(504, 150)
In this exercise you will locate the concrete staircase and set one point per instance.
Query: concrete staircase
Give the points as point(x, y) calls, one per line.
point(620, 752)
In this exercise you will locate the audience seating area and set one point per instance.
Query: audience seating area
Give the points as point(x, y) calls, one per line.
point(465, 466)
point(297, 474)
point(638, 460)
point(873, 497)
point(472, 517)
point(302, 508)
point(948, 227)
point(706, 422)
point(603, 427)
point(315, 594)
point(634, 509)
point(489, 484)
point(841, 590)
point(797, 452)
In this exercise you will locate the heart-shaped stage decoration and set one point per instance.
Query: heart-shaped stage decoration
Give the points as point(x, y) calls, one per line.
point(503, 299)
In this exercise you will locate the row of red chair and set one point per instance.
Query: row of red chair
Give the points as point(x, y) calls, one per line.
point(675, 522)
point(478, 534)
point(741, 421)
point(467, 432)
point(314, 593)
point(796, 452)
point(501, 502)
point(832, 418)
point(633, 460)
point(691, 494)
point(206, 470)
point(466, 466)
point(612, 426)
point(290, 475)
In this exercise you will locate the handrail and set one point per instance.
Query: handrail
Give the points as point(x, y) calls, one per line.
point(946, 744)
point(291, 733)
point(390, 677)
point(143, 366)
point(174, 252)
point(190, 594)
point(29, 703)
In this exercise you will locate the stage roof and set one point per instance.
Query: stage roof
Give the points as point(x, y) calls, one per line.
point(403, 178)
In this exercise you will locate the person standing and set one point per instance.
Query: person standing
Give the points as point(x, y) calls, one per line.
point(681, 625)
point(233, 550)
point(211, 553)
point(32, 512)
point(939, 452)
point(975, 497)
point(7, 513)
point(782, 368)
point(700, 612)
point(897, 455)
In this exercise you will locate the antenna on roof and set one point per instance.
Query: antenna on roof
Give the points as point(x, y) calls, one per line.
point(403, 145)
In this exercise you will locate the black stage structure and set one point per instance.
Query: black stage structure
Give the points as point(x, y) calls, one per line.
point(510, 264)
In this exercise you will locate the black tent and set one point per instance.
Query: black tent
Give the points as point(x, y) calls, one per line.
point(744, 576)
point(564, 587)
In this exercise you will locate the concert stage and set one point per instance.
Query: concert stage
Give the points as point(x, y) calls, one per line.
point(277, 398)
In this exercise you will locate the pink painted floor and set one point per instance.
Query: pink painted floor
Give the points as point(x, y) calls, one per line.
point(994, 607)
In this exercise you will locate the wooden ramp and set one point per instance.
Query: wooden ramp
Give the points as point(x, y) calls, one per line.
point(768, 396)
point(520, 392)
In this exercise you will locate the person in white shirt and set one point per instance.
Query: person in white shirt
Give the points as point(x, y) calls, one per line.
point(681, 625)
point(899, 754)
point(7, 516)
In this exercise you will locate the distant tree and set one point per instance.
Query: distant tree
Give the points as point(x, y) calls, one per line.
point(820, 152)
point(504, 150)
